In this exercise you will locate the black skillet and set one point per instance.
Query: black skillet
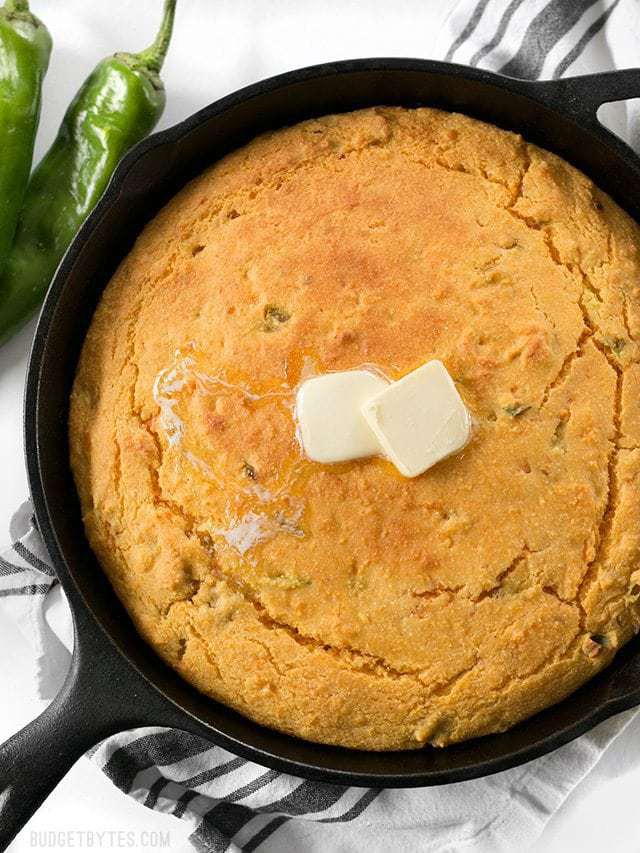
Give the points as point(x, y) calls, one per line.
point(116, 682)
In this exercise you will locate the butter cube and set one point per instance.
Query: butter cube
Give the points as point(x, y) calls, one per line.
point(331, 427)
point(420, 419)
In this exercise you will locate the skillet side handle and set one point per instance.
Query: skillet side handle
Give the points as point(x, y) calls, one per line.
point(582, 96)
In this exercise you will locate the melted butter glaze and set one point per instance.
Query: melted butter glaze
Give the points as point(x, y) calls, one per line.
point(258, 505)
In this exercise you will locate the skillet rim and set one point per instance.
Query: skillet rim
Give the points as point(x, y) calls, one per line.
point(32, 419)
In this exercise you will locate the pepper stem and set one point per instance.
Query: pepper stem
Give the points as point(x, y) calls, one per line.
point(15, 6)
point(153, 57)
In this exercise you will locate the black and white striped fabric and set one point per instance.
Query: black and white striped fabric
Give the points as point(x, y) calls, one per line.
point(540, 38)
point(238, 806)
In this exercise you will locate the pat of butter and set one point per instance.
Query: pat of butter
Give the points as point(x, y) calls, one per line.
point(420, 419)
point(331, 427)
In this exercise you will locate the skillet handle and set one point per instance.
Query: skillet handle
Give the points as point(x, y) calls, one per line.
point(34, 760)
point(582, 96)
point(100, 697)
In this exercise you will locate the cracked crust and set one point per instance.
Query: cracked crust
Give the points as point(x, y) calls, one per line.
point(372, 611)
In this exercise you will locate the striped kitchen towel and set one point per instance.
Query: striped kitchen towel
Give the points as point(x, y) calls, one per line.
point(235, 805)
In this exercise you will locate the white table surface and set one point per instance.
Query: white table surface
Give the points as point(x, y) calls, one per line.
point(218, 46)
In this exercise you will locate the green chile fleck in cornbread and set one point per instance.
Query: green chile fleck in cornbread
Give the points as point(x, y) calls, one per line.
point(345, 604)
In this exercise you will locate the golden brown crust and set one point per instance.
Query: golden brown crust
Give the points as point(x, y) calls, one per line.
point(345, 604)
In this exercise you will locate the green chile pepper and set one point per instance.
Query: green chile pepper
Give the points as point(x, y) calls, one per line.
point(118, 105)
point(25, 46)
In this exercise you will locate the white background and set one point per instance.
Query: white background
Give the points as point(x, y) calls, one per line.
point(218, 46)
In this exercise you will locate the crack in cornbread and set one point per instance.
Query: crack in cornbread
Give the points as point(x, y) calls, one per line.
point(345, 604)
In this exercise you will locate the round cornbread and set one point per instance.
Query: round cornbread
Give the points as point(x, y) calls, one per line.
point(343, 603)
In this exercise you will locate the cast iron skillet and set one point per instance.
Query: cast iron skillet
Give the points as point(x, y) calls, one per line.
point(116, 682)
